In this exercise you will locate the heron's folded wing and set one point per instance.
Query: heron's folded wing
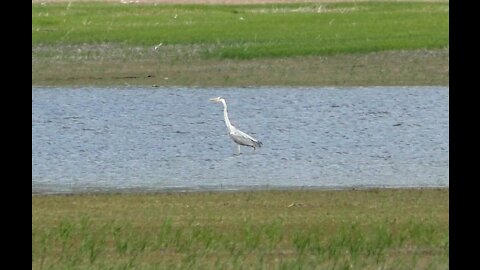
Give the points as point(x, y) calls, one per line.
point(240, 134)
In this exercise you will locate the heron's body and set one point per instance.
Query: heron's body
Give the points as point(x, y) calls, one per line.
point(238, 136)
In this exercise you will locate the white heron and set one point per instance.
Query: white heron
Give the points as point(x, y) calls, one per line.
point(238, 136)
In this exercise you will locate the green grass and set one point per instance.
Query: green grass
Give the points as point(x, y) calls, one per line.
point(362, 229)
point(247, 31)
point(341, 44)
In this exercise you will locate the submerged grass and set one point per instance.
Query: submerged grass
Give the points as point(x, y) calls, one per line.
point(368, 229)
point(355, 43)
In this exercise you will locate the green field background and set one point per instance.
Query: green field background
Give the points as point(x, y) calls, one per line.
point(248, 31)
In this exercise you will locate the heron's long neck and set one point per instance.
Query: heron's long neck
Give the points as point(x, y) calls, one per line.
point(225, 116)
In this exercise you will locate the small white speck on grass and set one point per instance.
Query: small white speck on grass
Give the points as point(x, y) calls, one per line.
point(241, 18)
point(158, 46)
point(166, 78)
point(129, 2)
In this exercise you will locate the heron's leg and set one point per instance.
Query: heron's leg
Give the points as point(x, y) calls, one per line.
point(238, 147)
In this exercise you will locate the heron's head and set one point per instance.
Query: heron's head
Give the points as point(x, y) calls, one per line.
point(217, 99)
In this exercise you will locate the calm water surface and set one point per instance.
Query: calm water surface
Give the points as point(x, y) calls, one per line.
point(150, 139)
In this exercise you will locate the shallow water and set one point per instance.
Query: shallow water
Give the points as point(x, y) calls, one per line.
point(151, 139)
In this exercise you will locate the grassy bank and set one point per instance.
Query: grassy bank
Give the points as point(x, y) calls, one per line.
point(366, 43)
point(367, 229)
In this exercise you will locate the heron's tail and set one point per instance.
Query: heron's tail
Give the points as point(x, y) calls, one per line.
point(258, 144)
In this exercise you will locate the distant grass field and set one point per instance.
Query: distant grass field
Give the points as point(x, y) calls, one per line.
point(350, 229)
point(364, 43)
point(248, 31)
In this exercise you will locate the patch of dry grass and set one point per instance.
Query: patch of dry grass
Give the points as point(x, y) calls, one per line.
point(105, 65)
point(233, 2)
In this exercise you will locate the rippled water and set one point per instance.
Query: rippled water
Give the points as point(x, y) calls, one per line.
point(105, 139)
